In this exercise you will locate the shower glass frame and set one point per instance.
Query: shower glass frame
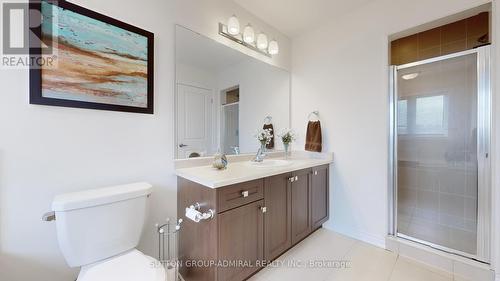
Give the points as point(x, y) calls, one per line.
point(484, 117)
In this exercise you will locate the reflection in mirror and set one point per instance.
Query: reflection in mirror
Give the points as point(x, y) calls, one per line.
point(224, 97)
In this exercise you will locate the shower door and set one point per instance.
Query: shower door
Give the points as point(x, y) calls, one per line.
point(440, 136)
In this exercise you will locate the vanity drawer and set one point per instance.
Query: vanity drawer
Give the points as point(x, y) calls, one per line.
point(239, 194)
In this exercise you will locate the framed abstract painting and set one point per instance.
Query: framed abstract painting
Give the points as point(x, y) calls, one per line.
point(100, 62)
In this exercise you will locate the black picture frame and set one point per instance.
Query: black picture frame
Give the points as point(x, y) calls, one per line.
point(36, 74)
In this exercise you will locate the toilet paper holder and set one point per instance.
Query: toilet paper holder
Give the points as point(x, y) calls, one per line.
point(194, 213)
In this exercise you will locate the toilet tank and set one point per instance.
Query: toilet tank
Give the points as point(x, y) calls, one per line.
point(96, 224)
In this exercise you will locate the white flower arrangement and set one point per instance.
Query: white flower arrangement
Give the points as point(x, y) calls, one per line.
point(264, 136)
point(287, 136)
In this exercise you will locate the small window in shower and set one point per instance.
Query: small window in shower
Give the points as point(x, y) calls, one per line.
point(430, 114)
point(423, 115)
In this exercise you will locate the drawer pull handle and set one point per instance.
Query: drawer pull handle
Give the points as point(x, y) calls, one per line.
point(296, 178)
point(263, 209)
point(244, 193)
point(292, 179)
point(315, 173)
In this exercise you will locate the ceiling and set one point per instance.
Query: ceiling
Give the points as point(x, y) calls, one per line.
point(292, 17)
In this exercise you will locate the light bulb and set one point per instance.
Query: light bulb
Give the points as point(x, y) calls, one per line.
point(248, 34)
point(233, 25)
point(273, 48)
point(262, 41)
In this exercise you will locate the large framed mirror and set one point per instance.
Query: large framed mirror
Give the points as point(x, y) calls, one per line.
point(224, 97)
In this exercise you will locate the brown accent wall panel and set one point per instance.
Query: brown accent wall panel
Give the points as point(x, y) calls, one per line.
point(451, 38)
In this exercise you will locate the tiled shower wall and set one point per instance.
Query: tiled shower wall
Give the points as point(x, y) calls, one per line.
point(439, 205)
point(451, 38)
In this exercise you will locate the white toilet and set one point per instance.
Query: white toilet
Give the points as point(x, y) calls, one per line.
point(99, 229)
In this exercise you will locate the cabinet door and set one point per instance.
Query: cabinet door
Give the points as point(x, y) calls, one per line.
point(278, 217)
point(241, 237)
point(301, 202)
point(319, 195)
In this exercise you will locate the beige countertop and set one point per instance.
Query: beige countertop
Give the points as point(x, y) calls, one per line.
point(240, 169)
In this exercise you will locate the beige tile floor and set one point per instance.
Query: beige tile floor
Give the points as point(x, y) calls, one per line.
point(364, 263)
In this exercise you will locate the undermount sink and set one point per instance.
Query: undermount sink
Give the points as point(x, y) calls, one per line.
point(270, 163)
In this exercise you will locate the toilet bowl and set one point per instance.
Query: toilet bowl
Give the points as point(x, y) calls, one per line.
point(98, 230)
point(130, 266)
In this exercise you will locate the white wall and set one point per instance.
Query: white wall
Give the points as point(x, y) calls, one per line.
point(45, 150)
point(341, 69)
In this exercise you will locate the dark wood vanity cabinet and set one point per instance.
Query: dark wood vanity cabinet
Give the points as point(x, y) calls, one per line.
point(320, 196)
point(278, 217)
point(254, 222)
point(301, 205)
point(241, 238)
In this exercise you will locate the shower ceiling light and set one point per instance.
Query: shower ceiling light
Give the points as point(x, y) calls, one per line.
point(410, 76)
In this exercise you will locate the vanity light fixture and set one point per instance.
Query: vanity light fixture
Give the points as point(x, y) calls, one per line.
point(249, 34)
point(233, 25)
point(273, 47)
point(247, 37)
point(262, 41)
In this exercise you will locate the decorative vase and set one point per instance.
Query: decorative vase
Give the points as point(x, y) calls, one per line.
point(220, 161)
point(263, 147)
point(287, 146)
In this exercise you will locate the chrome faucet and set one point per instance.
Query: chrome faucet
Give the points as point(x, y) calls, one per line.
point(259, 157)
point(236, 150)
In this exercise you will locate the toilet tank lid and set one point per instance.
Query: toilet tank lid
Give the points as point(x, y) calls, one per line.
point(100, 196)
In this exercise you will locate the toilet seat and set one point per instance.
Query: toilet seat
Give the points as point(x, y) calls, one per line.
point(130, 266)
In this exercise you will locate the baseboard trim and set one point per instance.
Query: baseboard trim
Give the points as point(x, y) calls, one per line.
point(358, 234)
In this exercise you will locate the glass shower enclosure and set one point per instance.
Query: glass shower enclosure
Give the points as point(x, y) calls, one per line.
point(439, 145)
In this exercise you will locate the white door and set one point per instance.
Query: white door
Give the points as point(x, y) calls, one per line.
point(194, 119)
